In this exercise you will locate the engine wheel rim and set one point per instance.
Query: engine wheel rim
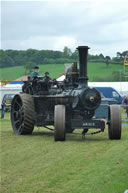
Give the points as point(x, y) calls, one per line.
point(17, 114)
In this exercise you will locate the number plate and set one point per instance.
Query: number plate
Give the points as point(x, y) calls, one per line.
point(87, 124)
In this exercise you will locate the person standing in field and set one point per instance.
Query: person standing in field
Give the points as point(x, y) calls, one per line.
point(125, 106)
point(2, 109)
point(35, 73)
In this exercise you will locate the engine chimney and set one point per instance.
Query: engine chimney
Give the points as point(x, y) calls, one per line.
point(83, 53)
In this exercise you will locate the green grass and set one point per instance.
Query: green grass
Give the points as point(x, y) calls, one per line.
point(101, 71)
point(37, 164)
point(94, 70)
point(12, 73)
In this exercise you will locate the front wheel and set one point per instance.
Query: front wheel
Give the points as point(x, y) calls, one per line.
point(59, 123)
point(114, 126)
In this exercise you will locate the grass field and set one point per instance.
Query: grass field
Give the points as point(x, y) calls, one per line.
point(13, 73)
point(94, 70)
point(37, 164)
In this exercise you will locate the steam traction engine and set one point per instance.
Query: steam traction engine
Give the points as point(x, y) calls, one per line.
point(68, 105)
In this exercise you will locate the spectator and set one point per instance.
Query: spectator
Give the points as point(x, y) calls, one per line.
point(125, 106)
point(2, 109)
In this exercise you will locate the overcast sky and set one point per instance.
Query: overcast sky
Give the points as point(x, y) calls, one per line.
point(100, 24)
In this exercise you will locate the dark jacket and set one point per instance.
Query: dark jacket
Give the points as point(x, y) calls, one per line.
point(33, 75)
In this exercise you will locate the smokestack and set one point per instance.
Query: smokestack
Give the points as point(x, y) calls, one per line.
point(83, 54)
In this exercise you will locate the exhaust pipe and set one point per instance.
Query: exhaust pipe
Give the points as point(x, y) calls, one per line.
point(83, 54)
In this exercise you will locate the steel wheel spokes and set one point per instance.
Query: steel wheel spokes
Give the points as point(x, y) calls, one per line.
point(22, 110)
point(17, 114)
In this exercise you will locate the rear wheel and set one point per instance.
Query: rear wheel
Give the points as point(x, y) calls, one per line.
point(29, 90)
point(22, 111)
point(59, 123)
point(114, 127)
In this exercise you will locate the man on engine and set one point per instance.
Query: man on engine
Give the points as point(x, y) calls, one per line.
point(35, 73)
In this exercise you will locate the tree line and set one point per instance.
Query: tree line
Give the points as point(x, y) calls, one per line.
point(29, 58)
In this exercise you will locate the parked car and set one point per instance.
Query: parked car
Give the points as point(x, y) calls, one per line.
point(109, 92)
point(6, 101)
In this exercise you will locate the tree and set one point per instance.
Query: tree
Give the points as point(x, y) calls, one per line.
point(29, 66)
point(67, 52)
point(5, 60)
point(49, 61)
point(124, 54)
point(101, 56)
point(75, 55)
point(107, 60)
point(119, 55)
